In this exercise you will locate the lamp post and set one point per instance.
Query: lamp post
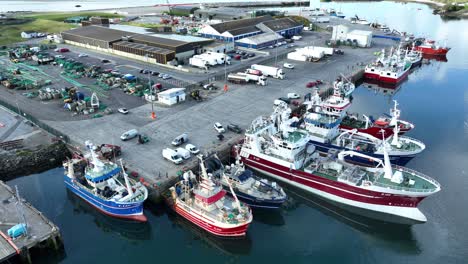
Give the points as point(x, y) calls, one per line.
point(151, 89)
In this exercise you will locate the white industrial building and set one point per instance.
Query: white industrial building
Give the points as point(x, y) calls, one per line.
point(172, 96)
point(260, 41)
point(363, 38)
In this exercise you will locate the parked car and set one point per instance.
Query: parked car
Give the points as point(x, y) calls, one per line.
point(293, 96)
point(209, 86)
point(59, 56)
point(123, 110)
point(291, 46)
point(288, 65)
point(105, 61)
point(244, 57)
point(161, 75)
point(234, 128)
point(166, 76)
point(218, 127)
point(192, 149)
point(237, 57)
point(179, 140)
point(154, 73)
point(285, 99)
point(81, 55)
point(251, 55)
point(145, 71)
point(129, 134)
point(62, 50)
point(313, 83)
point(338, 51)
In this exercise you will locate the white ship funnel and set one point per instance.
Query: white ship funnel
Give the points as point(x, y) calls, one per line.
point(71, 171)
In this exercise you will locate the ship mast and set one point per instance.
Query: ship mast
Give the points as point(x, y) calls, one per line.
point(387, 166)
point(127, 182)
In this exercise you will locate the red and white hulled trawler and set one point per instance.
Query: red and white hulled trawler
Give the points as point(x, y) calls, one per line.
point(391, 193)
point(390, 69)
point(205, 204)
point(430, 47)
point(383, 126)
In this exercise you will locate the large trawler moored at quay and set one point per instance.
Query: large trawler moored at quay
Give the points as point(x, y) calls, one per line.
point(106, 186)
point(391, 193)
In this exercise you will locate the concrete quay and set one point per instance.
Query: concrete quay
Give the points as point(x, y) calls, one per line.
point(40, 230)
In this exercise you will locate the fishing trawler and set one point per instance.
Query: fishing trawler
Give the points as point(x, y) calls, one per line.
point(391, 69)
point(206, 205)
point(383, 126)
point(254, 191)
point(323, 127)
point(390, 193)
point(106, 186)
point(431, 48)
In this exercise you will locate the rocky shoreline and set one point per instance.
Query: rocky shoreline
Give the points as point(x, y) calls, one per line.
point(21, 162)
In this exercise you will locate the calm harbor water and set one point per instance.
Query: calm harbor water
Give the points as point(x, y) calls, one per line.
point(308, 230)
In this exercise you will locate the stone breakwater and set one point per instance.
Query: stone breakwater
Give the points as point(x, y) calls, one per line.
point(20, 162)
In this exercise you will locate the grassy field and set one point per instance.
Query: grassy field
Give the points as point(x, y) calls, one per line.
point(59, 17)
point(146, 25)
point(43, 22)
point(12, 33)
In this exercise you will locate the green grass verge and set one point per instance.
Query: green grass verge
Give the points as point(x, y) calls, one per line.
point(44, 22)
point(60, 17)
point(12, 33)
point(146, 25)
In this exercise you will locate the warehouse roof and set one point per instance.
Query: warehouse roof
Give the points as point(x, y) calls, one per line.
point(244, 30)
point(281, 24)
point(158, 40)
point(143, 47)
point(98, 33)
point(262, 38)
point(241, 23)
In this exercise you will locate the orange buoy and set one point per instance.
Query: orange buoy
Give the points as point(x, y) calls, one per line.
point(226, 88)
point(153, 115)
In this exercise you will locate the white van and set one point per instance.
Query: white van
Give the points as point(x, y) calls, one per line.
point(179, 140)
point(129, 134)
point(185, 154)
point(172, 155)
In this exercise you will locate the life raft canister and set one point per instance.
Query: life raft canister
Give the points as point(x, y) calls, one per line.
point(381, 122)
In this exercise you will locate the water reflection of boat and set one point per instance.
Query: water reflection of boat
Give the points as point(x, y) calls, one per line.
point(131, 230)
point(442, 58)
point(228, 246)
point(269, 217)
point(385, 88)
point(393, 236)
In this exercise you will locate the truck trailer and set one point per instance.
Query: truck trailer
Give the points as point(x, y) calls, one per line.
point(269, 71)
point(243, 78)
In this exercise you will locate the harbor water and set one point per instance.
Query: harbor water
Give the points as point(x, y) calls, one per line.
point(308, 230)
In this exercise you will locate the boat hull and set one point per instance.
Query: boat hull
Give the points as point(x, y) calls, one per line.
point(131, 211)
point(431, 51)
point(394, 159)
point(385, 79)
point(376, 131)
point(257, 202)
point(209, 225)
point(388, 207)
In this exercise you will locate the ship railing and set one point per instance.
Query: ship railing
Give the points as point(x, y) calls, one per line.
point(419, 174)
point(413, 139)
point(409, 189)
